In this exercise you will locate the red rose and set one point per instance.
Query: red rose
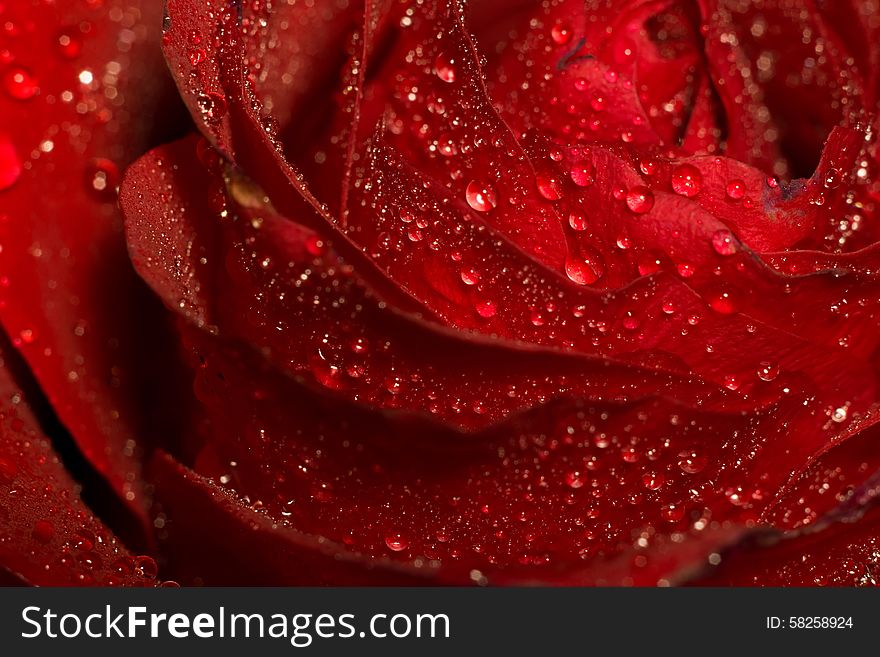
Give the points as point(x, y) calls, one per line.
point(584, 293)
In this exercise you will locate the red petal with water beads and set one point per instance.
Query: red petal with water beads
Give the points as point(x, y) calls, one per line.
point(838, 550)
point(317, 323)
point(255, 549)
point(48, 537)
point(601, 71)
point(247, 276)
point(80, 86)
point(769, 72)
point(744, 330)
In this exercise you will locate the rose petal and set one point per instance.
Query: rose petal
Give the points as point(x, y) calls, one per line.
point(768, 75)
point(841, 550)
point(48, 537)
point(79, 101)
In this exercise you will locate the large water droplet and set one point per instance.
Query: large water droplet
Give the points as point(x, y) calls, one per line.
point(549, 187)
point(686, 180)
point(640, 199)
point(481, 197)
point(396, 542)
point(43, 531)
point(736, 189)
point(724, 242)
point(444, 66)
point(768, 371)
point(832, 178)
point(691, 461)
point(581, 174)
point(470, 276)
point(584, 270)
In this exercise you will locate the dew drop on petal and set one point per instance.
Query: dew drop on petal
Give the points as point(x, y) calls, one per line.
point(672, 512)
point(768, 371)
point(444, 66)
point(145, 566)
point(577, 221)
point(691, 461)
point(584, 271)
point(396, 542)
point(581, 174)
point(549, 187)
point(197, 56)
point(486, 309)
point(43, 531)
point(832, 179)
point(653, 480)
point(686, 180)
point(639, 199)
point(736, 189)
point(470, 276)
point(480, 197)
point(723, 242)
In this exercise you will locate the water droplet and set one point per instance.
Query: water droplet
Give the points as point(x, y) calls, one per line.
point(560, 33)
point(584, 271)
point(444, 66)
point(577, 221)
point(486, 309)
point(197, 56)
point(10, 164)
point(692, 461)
point(686, 180)
point(736, 189)
point(640, 199)
point(396, 542)
point(43, 531)
point(574, 480)
point(672, 512)
point(732, 382)
point(724, 242)
point(767, 371)
point(212, 105)
point(653, 480)
point(480, 197)
point(832, 178)
point(20, 84)
point(582, 174)
point(145, 566)
point(549, 187)
point(648, 166)
point(685, 269)
point(470, 276)
point(629, 454)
